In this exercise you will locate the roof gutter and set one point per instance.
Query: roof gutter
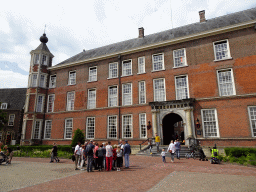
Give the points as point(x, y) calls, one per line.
point(161, 44)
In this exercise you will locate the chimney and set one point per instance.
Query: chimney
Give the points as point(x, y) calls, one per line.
point(202, 16)
point(141, 32)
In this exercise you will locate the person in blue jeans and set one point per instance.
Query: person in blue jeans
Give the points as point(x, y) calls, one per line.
point(127, 152)
point(177, 148)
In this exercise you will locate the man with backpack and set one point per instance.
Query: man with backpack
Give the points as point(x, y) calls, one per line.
point(89, 154)
point(177, 148)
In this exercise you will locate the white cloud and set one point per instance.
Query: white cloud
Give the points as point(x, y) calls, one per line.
point(9, 79)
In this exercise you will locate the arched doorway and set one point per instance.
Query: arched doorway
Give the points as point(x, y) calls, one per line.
point(172, 128)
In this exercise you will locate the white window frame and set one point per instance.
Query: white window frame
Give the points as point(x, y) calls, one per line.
point(87, 127)
point(176, 87)
point(141, 65)
point(92, 76)
point(11, 120)
point(228, 56)
point(154, 81)
point(203, 123)
point(44, 62)
point(91, 99)
point(39, 129)
point(232, 78)
point(68, 130)
point(114, 125)
point(42, 84)
point(41, 109)
point(48, 103)
point(131, 129)
point(52, 83)
point(111, 71)
point(142, 93)
point(184, 58)
point(124, 70)
point(126, 94)
point(4, 105)
point(141, 124)
point(36, 60)
point(71, 80)
point(112, 96)
point(34, 81)
point(153, 62)
point(70, 102)
point(252, 119)
point(46, 129)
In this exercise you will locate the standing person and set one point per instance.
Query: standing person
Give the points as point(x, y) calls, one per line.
point(114, 158)
point(77, 154)
point(109, 156)
point(157, 141)
point(82, 158)
point(54, 153)
point(104, 155)
point(171, 149)
point(9, 154)
point(100, 154)
point(150, 146)
point(127, 152)
point(122, 148)
point(95, 157)
point(177, 148)
point(119, 157)
point(163, 156)
point(89, 154)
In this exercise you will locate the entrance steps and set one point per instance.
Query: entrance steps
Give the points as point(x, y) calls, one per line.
point(146, 151)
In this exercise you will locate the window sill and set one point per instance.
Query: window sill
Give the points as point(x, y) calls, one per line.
point(91, 81)
point(229, 58)
point(126, 75)
point(180, 66)
point(141, 73)
point(71, 84)
point(227, 95)
point(158, 70)
point(112, 78)
point(52, 87)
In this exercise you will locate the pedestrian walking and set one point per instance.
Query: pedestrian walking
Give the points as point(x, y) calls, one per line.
point(163, 156)
point(54, 153)
point(109, 156)
point(177, 148)
point(171, 149)
point(127, 152)
point(157, 141)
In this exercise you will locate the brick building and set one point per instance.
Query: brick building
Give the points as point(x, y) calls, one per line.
point(12, 104)
point(200, 75)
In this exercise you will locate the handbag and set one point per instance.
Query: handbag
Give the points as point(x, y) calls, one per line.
point(73, 158)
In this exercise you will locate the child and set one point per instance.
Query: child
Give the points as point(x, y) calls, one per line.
point(163, 155)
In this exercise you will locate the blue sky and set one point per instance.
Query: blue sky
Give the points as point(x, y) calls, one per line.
point(72, 26)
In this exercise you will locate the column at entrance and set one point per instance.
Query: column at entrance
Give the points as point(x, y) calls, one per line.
point(188, 123)
point(154, 122)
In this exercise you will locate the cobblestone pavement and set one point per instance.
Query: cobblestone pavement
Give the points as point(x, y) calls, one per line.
point(144, 174)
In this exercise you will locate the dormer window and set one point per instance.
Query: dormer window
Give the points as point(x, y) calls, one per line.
point(36, 61)
point(3, 105)
point(44, 60)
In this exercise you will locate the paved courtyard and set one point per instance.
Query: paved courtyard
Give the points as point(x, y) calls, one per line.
point(145, 174)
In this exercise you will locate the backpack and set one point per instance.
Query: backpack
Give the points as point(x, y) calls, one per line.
point(89, 150)
point(99, 152)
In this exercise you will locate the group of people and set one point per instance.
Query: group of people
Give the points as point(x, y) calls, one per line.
point(174, 147)
point(101, 157)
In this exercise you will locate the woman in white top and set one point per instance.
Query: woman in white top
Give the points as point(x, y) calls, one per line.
point(171, 149)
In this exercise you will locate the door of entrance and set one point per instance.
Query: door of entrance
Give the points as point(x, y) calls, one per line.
point(168, 128)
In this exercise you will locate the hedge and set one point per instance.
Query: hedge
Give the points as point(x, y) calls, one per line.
point(239, 151)
point(66, 148)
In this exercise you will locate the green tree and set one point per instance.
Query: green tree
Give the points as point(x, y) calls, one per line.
point(3, 118)
point(78, 136)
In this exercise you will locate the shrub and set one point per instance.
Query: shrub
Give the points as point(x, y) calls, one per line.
point(78, 137)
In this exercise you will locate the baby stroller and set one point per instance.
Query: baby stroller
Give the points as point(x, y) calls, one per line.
point(202, 156)
point(4, 158)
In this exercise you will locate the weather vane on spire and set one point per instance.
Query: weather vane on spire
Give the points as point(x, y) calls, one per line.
point(44, 28)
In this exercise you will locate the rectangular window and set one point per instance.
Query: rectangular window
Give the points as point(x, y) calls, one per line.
point(70, 101)
point(142, 92)
point(143, 126)
point(113, 70)
point(52, 83)
point(37, 129)
point(112, 96)
point(93, 74)
point(141, 65)
point(127, 126)
point(3, 105)
point(91, 99)
point(127, 94)
point(226, 82)
point(158, 62)
point(40, 101)
point(112, 126)
point(252, 115)
point(221, 50)
point(210, 124)
point(181, 85)
point(11, 120)
point(44, 60)
point(36, 56)
point(159, 90)
point(179, 58)
point(72, 78)
point(127, 68)
point(42, 80)
point(68, 128)
point(50, 105)
point(34, 80)
point(90, 127)
point(48, 129)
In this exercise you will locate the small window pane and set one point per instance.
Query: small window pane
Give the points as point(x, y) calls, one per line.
point(90, 127)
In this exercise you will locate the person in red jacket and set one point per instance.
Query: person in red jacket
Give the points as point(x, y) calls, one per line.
point(114, 157)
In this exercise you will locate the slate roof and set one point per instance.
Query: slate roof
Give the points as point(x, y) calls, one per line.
point(211, 24)
point(14, 97)
point(42, 47)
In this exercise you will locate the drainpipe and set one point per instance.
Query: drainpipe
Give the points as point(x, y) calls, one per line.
point(119, 95)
